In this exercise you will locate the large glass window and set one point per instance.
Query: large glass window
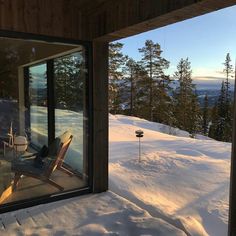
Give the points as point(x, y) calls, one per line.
point(70, 106)
point(44, 119)
point(38, 104)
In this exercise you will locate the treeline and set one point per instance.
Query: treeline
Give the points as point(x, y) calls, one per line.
point(144, 89)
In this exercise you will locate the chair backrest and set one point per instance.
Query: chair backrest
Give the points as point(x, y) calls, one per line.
point(60, 156)
point(11, 137)
point(55, 146)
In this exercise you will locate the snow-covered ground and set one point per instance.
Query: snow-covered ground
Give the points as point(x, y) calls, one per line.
point(91, 215)
point(182, 180)
point(179, 188)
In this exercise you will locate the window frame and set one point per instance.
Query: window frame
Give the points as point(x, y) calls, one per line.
point(89, 103)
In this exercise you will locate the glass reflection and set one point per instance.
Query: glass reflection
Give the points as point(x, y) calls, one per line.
point(38, 105)
point(69, 103)
point(27, 113)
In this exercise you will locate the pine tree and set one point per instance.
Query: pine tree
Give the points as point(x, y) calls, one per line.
point(116, 61)
point(186, 106)
point(155, 65)
point(205, 116)
point(130, 71)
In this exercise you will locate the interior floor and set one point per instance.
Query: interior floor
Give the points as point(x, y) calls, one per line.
point(29, 187)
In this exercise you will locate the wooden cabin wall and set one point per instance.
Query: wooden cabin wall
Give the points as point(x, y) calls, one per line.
point(112, 19)
point(60, 18)
point(105, 20)
point(101, 122)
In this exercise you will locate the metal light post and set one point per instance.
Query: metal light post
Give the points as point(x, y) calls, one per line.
point(139, 135)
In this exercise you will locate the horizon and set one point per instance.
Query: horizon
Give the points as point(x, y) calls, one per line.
point(205, 40)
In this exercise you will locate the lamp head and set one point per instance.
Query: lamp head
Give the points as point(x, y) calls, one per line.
point(139, 133)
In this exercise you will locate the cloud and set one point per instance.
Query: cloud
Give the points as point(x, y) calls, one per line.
point(208, 78)
point(209, 71)
point(210, 82)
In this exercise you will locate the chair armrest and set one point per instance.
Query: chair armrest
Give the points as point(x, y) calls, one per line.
point(29, 156)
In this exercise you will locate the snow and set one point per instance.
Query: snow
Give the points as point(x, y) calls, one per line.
point(92, 215)
point(180, 187)
point(182, 180)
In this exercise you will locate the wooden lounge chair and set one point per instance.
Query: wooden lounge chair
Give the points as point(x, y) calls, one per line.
point(26, 166)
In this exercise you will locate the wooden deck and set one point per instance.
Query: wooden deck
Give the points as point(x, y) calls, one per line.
point(29, 187)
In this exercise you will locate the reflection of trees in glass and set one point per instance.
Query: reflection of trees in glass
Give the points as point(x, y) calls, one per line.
point(69, 82)
point(9, 59)
point(8, 73)
point(38, 85)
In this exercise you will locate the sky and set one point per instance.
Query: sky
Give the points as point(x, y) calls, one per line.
point(205, 40)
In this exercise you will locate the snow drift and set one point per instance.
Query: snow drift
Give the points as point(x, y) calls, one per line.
point(180, 188)
point(182, 180)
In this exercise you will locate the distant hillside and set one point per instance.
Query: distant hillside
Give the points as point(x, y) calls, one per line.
point(212, 96)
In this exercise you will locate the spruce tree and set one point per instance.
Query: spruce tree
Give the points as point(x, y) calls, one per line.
point(194, 116)
point(141, 94)
point(222, 122)
point(205, 116)
point(219, 121)
point(155, 65)
point(130, 71)
point(116, 61)
point(214, 121)
point(228, 70)
point(162, 111)
point(186, 106)
point(221, 108)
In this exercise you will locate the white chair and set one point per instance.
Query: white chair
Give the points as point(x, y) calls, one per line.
point(20, 144)
point(10, 143)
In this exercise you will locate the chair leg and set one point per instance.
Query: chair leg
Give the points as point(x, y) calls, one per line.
point(16, 180)
point(65, 170)
point(54, 184)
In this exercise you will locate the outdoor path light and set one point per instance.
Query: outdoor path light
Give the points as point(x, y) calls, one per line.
point(139, 134)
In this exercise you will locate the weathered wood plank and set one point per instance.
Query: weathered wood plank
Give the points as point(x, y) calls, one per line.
point(24, 218)
point(9, 220)
point(38, 216)
point(7, 192)
point(60, 18)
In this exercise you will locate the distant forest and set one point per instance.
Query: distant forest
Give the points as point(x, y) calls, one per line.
point(143, 89)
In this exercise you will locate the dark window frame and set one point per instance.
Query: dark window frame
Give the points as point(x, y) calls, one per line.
point(89, 101)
